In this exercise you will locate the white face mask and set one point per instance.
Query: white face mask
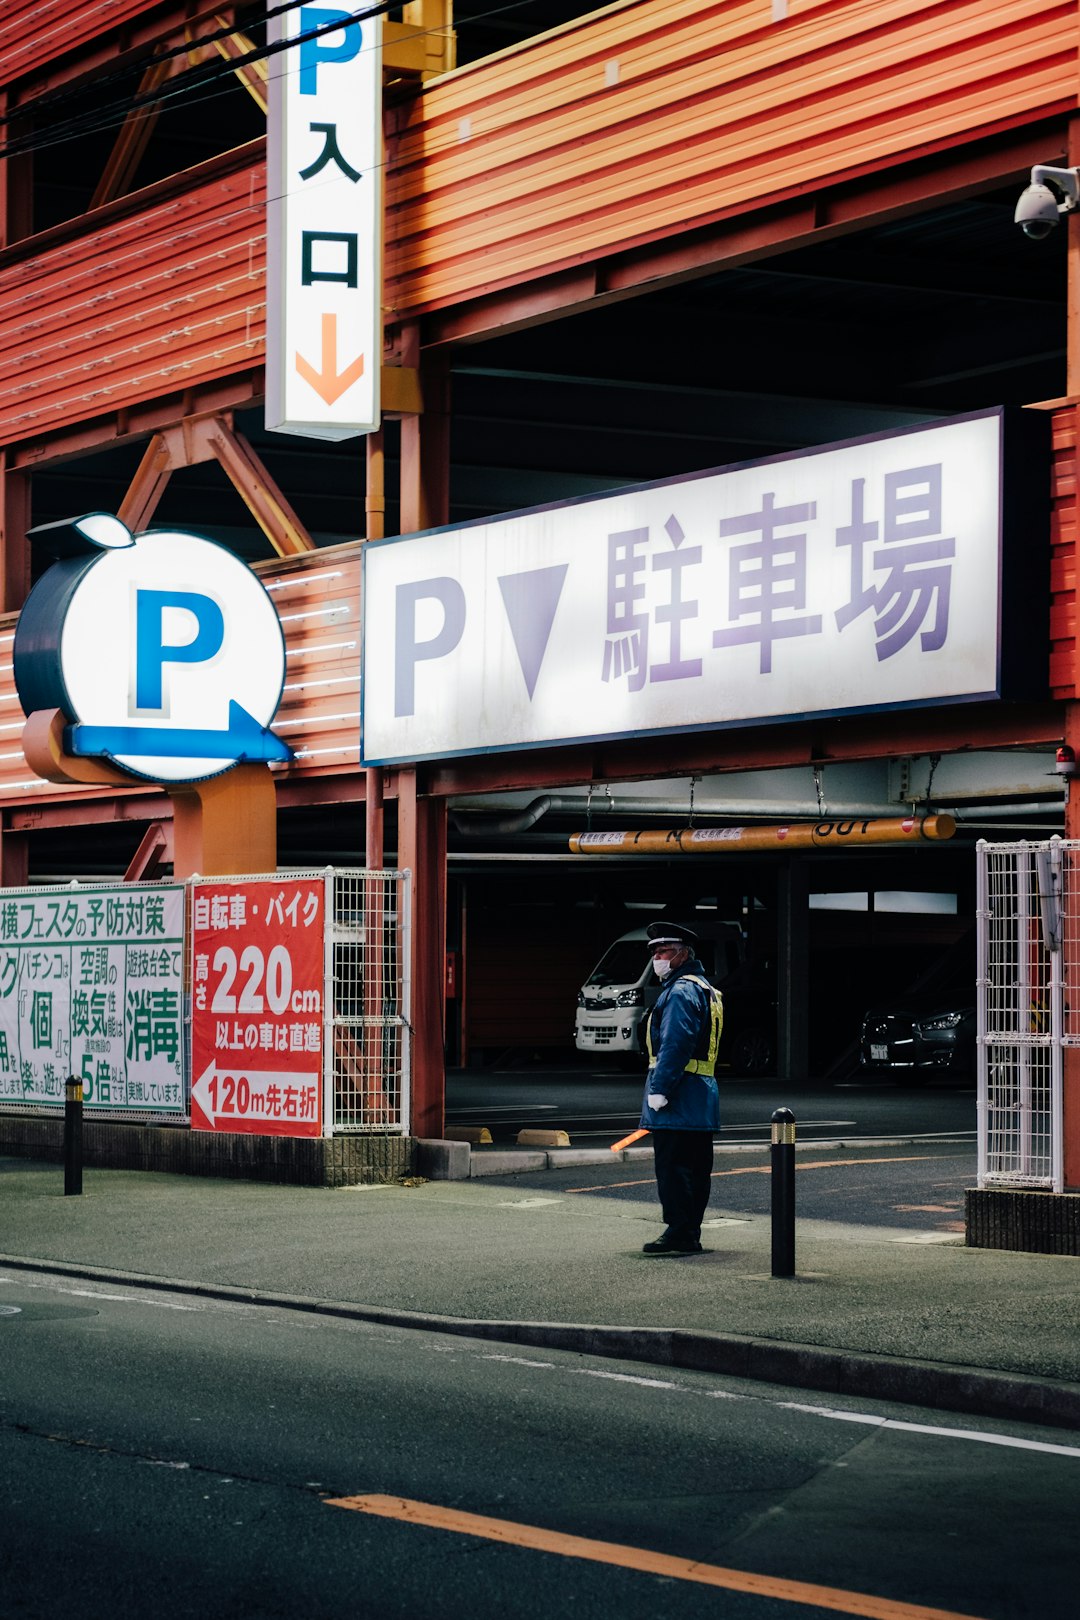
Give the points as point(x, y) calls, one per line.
point(661, 966)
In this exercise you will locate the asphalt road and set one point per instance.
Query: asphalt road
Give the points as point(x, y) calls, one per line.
point(595, 1106)
point(917, 1187)
point(186, 1457)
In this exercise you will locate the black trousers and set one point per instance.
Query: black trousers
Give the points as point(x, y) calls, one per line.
point(684, 1161)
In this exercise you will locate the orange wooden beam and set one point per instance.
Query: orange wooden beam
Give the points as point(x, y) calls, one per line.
point(133, 138)
point(262, 497)
point(155, 851)
point(14, 525)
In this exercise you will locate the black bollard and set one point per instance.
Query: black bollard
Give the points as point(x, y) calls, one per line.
point(782, 1154)
point(73, 1152)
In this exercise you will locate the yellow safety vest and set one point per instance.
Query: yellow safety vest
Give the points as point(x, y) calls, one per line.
point(705, 1065)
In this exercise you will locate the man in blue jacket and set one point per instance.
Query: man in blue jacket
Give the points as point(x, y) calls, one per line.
point(682, 1106)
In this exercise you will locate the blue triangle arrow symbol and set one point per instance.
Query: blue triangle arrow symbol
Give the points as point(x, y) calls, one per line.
point(530, 600)
point(245, 739)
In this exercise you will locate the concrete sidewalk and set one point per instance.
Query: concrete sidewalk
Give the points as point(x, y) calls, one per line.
point(871, 1313)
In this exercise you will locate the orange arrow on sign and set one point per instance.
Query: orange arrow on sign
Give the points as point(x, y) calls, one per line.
point(328, 382)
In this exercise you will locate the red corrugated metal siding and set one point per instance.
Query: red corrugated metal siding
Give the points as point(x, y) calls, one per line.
point(163, 300)
point(1063, 548)
point(33, 32)
point(318, 602)
point(714, 109)
point(658, 117)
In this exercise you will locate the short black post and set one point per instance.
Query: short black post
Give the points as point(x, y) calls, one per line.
point(782, 1154)
point(73, 1151)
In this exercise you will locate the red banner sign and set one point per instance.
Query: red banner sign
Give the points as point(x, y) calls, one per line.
point(257, 1006)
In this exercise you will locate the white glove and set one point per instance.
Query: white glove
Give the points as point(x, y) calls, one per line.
point(656, 1099)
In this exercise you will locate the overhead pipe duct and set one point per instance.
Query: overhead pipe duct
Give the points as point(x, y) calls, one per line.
point(799, 835)
point(482, 823)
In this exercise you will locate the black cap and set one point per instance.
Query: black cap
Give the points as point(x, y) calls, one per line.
point(670, 933)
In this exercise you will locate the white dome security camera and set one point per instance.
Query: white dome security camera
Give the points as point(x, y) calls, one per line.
point(1052, 192)
point(1037, 212)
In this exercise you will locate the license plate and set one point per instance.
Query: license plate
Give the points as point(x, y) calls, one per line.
point(879, 1054)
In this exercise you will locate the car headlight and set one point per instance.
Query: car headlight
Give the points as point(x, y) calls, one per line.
point(630, 998)
point(945, 1021)
point(581, 998)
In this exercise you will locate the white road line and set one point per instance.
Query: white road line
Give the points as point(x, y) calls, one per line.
point(529, 1203)
point(803, 1124)
point(930, 1428)
point(96, 1293)
point(928, 1237)
point(517, 1361)
point(868, 1419)
point(502, 1108)
point(90, 1293)
point(129, 1299)
point(629, 1378)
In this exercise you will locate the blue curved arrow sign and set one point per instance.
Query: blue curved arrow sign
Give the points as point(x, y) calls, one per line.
point(244, 739)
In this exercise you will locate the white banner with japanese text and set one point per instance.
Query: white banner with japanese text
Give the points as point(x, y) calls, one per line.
point(865, 575)
point(91, 985)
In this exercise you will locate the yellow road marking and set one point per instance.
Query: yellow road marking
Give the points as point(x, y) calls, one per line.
point(766, 1170)
point(537, 1539)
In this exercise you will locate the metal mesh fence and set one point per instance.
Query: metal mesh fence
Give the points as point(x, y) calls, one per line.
point(1023, 925)
point(365, 1000)
point(368, 1001)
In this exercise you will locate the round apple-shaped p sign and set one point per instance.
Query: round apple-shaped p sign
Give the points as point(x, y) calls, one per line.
point(163, 649)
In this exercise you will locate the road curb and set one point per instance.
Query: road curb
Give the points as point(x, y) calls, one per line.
point(443, 1160)
point(1016, 1396)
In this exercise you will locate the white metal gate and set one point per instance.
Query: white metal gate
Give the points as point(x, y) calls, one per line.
point(367, 974)
point(1028, 951)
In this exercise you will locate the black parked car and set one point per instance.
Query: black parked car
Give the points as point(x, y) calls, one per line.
point(920, 1034)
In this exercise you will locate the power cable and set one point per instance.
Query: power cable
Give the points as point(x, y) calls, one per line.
point(197, 78)
point(205, 77)
point(117, 111)
point(29, 277)
point(131, 69)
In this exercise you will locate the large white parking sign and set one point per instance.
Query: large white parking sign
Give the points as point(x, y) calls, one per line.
point(163, 649)
point(866, 575)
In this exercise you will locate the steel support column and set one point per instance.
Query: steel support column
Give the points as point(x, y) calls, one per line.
point(1070, 1125)
point(425, 446)
point(375, 487)
point(14, 856)
point(793, 991)
point(1070, 1085)
point(373, 818)
point(374, 529)
point(14, 546)
point(422, 851)
point(16, 184)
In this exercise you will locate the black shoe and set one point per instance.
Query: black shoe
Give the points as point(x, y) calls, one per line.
point(672, 1245)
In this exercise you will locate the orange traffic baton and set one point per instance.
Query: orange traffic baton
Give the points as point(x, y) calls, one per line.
point(626, 1141)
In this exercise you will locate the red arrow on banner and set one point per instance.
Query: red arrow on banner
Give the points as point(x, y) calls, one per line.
point(239, 1099)
point(328, 382)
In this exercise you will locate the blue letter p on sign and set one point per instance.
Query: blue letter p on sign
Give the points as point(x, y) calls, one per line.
point(320, 49)
point(153, 652)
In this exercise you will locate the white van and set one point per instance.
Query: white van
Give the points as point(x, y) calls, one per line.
point(613, 1001)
